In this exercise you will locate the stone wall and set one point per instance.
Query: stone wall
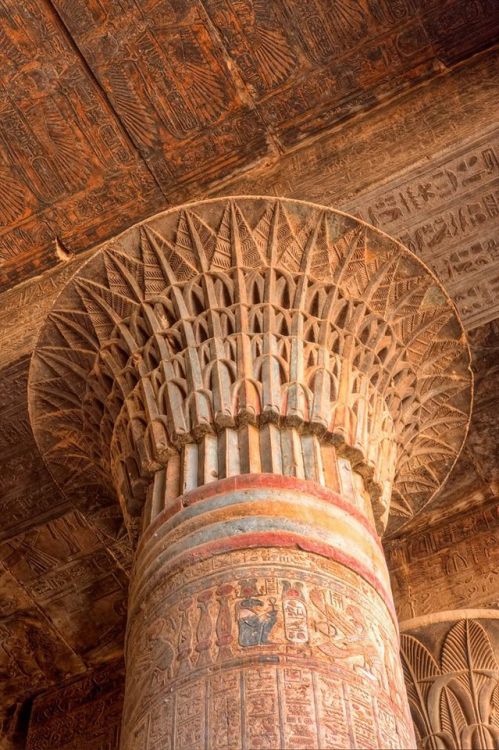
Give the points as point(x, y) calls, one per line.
point(84, 714)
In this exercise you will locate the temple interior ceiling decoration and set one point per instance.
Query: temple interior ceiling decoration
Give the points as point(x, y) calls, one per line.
point(385, 114)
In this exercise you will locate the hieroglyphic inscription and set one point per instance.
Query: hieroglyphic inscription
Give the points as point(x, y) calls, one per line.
point(460, 558)
point(65, 162)
point(32, 654)
point(27, 491)
point(99, 98)
point(67, 571)
point(28, 494)
point(449, 204)
point(332, 712)
point(447, 213)
point(84, 714)
point(55, 128)
point(345, 163)
point(310, 650)
point(170, 85)
point(309, 65)
point(454, 28)
point(25, 308)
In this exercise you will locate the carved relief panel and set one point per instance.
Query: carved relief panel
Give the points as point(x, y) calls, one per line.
point(32, 654)
point(459, 556)
point(67, 167)
point(451, 667)
point(220, 651)
point(69, 572)
point(171, 86)
point(84, 714)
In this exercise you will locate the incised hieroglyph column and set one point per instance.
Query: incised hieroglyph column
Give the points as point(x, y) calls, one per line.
point(265, 385)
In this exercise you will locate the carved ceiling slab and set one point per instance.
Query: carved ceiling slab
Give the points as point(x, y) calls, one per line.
point(113, 110)
point(71, 573)
point(66, 164)
point(330, 112)
point(434, 188)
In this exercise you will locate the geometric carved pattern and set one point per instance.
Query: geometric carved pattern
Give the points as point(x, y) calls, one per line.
point(454, 703)
point(232, 314)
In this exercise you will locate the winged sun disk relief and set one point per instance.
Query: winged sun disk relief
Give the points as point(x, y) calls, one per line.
point(234, 314)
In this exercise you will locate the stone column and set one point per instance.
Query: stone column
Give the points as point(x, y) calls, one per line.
point(264, 385)
point(260, 616)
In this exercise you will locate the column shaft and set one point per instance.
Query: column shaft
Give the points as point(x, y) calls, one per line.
point(260, 617)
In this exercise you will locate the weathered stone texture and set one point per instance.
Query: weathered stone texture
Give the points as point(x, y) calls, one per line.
point(84, 714)
point(182, 335)
point(264, 648)
point(452, 675)
point(112, 111)
point(460, 556)
point(253, 377)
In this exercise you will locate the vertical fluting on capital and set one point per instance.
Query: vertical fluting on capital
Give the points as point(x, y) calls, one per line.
point(262, 383)
point(183, 333)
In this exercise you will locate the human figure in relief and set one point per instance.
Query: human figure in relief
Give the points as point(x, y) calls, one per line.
point(255, 618)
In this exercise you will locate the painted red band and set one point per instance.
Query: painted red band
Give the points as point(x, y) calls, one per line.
point(260, 481)
point(284, 540)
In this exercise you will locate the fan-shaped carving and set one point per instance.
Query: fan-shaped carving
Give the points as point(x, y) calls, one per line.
point(454, 704)
point(252, 311)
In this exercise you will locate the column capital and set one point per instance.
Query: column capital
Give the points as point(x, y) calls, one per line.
point(451, 668)
point(245, 335)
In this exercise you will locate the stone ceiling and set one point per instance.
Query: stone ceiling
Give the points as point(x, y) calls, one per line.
point(112, 111)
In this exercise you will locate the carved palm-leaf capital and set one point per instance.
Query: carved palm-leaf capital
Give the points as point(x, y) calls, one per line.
point(224, 336)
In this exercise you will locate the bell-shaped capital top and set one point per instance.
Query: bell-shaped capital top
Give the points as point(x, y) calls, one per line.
point(246, 312)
